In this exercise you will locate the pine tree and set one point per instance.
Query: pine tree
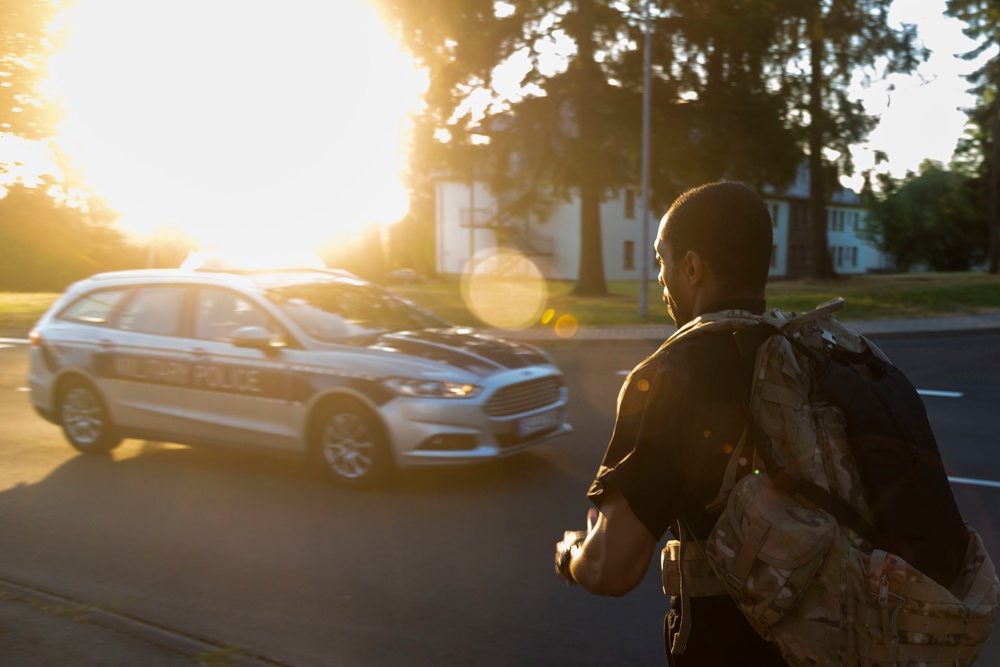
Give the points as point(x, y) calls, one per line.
point(982, 18)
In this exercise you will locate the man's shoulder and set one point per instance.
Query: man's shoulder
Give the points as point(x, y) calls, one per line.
point(689, 353)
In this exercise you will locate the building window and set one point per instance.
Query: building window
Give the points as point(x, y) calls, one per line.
point(857, 220)
point(774, 256)
point(840, 256)
point(629, 204)
point(774, 215)
point(854, 252)
point(629, 259)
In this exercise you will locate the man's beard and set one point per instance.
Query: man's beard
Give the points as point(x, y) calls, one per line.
point(675, 312)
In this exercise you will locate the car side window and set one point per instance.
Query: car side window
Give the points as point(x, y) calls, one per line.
point(219, 313)
point(153, 310)
point(94, 308)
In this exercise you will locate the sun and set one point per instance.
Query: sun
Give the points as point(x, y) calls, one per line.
point(237, 120)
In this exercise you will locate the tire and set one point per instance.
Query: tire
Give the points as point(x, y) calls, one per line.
point(84, 419)
point(350, 445)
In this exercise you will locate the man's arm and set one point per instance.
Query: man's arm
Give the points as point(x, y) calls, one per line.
point(615, 555)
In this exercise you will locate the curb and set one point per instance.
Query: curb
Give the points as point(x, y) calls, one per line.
point(179, 642)
point(659, 335)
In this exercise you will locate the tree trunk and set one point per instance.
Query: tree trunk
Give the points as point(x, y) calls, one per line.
point(818, 262)
point(590, 281)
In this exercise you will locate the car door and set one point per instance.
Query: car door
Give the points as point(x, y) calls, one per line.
point(144, 368)
point(238, 395)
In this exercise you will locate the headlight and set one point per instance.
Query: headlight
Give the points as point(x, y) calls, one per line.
point(432, 388)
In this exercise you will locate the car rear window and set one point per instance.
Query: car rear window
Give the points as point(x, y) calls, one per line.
point(93, 308)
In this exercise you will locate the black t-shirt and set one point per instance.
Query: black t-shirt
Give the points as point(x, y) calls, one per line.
point(679, 420)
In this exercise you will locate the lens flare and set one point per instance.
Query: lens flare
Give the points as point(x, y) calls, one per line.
point(566, 326)
point(504, 289)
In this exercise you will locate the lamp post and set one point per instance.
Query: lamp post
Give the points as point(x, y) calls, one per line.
point(644, 254)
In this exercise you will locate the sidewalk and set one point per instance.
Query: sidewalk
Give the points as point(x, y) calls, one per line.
point(40, 629)
point(899, 328)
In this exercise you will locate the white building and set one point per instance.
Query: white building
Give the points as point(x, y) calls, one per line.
point(553, 244)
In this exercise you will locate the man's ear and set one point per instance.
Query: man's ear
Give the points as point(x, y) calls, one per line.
point(693, 267)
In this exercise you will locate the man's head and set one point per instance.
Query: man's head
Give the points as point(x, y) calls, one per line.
point(714, 244)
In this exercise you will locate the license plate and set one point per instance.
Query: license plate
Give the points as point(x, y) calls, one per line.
point(539, 422)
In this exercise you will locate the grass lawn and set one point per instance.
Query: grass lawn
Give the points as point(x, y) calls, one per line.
point(869, 297)
point(19, 311)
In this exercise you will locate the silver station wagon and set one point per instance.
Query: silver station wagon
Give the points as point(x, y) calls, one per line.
point(304, 362)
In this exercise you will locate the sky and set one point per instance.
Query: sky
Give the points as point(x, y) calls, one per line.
point(238, 139)
point(922, 117)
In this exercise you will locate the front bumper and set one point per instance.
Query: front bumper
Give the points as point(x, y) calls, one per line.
point(428, 434)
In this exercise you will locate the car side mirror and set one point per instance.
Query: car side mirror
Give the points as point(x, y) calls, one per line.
point(257, 338)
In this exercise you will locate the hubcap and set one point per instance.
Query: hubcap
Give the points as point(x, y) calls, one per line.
point(81, 416)
point(347, 445)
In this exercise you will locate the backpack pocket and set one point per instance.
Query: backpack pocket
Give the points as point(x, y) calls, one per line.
point(902, 616)
point(766, 547)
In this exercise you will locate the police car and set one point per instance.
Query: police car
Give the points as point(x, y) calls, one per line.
point(303, 362)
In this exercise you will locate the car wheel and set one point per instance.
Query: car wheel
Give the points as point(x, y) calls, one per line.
point(84, 419)
point(350, 444)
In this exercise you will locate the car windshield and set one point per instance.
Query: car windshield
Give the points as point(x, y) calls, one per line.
point(334, 310)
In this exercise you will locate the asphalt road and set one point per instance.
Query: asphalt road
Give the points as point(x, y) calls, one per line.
point(452, 566)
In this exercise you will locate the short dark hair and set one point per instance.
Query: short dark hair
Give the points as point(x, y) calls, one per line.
point(729, 226)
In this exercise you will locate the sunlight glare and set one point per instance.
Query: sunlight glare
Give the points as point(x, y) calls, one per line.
point(284, 124)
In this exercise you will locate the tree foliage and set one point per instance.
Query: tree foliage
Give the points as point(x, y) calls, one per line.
point(577, 128)
point(934, 219)
point(982, 19)
point(741, 90)
point(45, 243)
point(25, 46)
point(826, 45)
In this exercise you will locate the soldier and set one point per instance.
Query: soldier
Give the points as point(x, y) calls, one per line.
point(679, 418)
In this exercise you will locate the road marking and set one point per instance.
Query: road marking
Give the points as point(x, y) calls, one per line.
point(974, 482)
point(943, 394)
point(11, 342)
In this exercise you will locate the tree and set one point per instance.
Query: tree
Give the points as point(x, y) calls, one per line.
point(827, 43)
point(982, 19)
point(25, 45)
point(45, 243)
point(576, 129)
point(932, 218)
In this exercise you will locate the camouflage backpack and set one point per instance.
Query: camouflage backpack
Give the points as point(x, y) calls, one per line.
point(845, 545)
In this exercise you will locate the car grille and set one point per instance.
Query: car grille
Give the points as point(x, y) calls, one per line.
point(524, 397)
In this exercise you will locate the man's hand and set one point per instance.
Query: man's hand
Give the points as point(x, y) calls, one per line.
point(570, 547)
point(611, 557)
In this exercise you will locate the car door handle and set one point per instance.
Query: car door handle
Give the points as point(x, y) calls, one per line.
point(197, 351)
